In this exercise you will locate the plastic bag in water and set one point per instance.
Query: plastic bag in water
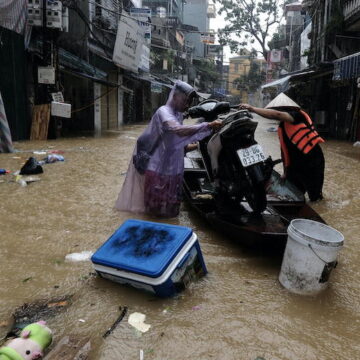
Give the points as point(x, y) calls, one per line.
point(51, 158)
point(31, 167)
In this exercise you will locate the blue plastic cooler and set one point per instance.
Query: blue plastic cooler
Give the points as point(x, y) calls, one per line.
point(157, 257)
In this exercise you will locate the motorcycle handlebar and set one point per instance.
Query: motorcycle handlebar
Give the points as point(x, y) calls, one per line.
point(275, 162)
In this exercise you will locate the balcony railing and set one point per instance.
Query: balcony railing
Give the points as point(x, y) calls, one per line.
point(351, 7)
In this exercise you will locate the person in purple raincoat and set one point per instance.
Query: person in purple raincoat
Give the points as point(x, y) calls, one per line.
point(153, 184)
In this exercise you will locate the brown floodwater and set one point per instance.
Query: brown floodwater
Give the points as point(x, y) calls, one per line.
point(238, 311)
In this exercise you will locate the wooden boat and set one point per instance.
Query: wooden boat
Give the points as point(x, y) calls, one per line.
point(267, 230)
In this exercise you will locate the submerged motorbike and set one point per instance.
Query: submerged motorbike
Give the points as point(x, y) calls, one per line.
point(235, 163)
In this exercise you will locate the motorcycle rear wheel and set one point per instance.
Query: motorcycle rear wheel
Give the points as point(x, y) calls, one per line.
point(256, 198)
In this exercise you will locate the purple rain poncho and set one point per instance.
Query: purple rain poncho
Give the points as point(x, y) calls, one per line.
point(158, 191)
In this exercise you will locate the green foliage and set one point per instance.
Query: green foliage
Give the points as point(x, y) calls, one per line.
point(276, 40)
point(306, 52)
point(209, 75)
point(251, 21)
point(158, 55)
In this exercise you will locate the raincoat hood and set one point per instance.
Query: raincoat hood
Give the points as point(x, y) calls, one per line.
point(282, 101)
point(185, 88)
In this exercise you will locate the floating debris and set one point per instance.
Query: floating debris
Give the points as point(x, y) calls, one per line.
point(137, 320)
point(5, 327)
point(31, 167)
point(117, 322)
point(82, 256)
point(32, 312)
point(39, 152)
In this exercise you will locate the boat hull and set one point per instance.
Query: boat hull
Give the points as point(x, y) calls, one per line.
point(267, 230)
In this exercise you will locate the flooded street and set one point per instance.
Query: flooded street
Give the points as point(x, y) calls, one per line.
point(239, 311)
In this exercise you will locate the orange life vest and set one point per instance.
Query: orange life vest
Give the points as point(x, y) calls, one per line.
point(303, 136)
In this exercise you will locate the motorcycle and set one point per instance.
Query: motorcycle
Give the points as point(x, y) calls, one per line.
point(235, 163)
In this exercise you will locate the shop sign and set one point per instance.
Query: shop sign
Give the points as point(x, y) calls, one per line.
point(156, 87)
point(143, 17)
point(207, 38)
point(275, 56)
point(145, 59)
point(46, 75)
point(57, 96)
point(128, 45)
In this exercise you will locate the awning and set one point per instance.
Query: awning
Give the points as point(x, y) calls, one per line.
point(279, 83)
point(283, 84)
point(86, 76)
point(347, 67)
point(73, 62)
point(147, 77)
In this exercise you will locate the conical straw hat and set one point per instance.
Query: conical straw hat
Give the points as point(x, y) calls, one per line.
point(282, 101)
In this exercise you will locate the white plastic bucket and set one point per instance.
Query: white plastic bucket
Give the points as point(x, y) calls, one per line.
point(310, 255)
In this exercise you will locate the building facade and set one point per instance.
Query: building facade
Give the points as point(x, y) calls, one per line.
point(241, 76)
point(335, 40)
point(198, 14)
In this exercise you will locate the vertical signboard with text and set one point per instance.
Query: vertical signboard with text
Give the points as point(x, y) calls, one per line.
point(129, 44)
point(143, 17)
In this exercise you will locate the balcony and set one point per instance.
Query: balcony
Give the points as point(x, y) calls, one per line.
point(351, 13)
point(173, 21)
point(160, 42)
point(211, 11)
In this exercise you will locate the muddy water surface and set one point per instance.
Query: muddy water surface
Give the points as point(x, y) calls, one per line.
point(238, 311)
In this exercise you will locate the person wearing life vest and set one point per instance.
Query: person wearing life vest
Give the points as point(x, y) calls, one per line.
point(303, 159)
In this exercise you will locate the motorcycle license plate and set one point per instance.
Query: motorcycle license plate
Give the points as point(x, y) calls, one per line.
point(251, 155)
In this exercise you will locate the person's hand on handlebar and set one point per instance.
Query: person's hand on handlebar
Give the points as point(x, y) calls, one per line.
point(215, 125)
point(246, 107)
